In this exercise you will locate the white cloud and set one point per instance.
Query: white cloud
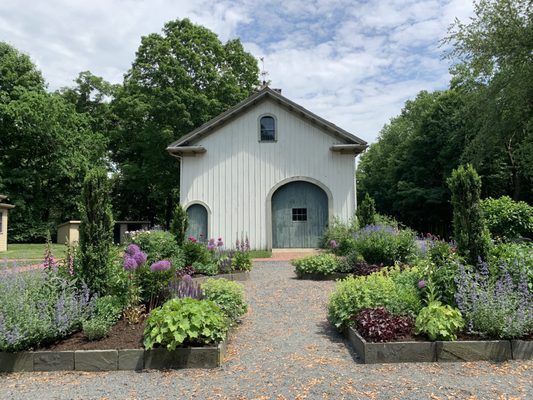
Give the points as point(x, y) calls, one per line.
point(353, 62)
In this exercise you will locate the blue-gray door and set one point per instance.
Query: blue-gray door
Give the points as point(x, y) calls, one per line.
point(299, 215)
point(197, 228)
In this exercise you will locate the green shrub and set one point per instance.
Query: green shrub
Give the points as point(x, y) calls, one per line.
point(242, 260)
point(323, 264)
point(194, 251)
point(517, 258)
point(507, 219)
point(338, 237)
point(206, 269)
point(366, 212)
point(109, 308)
point(96, 231)
point(379, 244)
point(179, 224)
point(96, 329)
point(185, 321)
point(159, 245)
point(386, 220)
point(469, 230)
point(387, 289)
point(228, 295)
point(439, 322)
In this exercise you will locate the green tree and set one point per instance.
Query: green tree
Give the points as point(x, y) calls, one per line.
point(367, 211)
point(469, 230)
point(179, 224)
point(493, 56)
point(96, 231)
point(179, 80)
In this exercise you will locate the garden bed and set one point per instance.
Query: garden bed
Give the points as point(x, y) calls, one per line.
point(121, 350)
point(425, 351)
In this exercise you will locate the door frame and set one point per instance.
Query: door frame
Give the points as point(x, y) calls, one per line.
point(200, 203)
point(284, 182)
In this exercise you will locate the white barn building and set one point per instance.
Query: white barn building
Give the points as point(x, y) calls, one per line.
point(269, 169)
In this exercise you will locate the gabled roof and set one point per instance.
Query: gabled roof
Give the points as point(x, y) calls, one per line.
point(263, 94)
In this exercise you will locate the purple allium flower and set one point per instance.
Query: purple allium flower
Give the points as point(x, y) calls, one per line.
point(333, 244)
point(132, 249)
point(140, 258)
point(163, 265)
point(211, 244)
point(129, 263)
point(422, 284)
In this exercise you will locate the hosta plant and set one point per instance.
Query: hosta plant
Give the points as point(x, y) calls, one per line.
point(185, 321)
point(379, 325)
point(439, 322)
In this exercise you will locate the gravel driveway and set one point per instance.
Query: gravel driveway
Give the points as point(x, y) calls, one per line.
point(285, 349)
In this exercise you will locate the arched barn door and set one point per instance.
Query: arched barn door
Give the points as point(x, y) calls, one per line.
point(299, 215)
point(197, 228)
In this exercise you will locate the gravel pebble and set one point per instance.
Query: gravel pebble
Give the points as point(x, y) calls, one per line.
point(285, 349)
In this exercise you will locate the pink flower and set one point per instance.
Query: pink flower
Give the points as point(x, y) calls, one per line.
point(193, 239)
point(220, 243)
point(333, 243)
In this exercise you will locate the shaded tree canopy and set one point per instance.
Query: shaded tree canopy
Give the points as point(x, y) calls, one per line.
point(179, 80)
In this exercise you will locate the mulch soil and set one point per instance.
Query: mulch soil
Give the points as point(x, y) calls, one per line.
point(122, 336)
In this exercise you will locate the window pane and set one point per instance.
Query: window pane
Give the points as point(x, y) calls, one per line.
point(268, 128)
point(299, 214)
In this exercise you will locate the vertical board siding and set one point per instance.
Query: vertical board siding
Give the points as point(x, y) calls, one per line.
point(236, 174)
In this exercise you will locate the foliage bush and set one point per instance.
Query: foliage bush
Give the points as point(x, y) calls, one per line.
point(513, 258)
point(241, 257)
point(37, 307)
point(366, 212)
point(379, 325)
point(338, 237)
point(96, 329)
point(439, 322)
point(501, 309)
point(394, 290)
point(185, 321)
point(206, 269)
point(469, 230)
point(96, 231)
point(380, 244)
point(228, 295)
point(323, 264)
point(159, 245)
point(195, 251)
point(108, 308)
point(507, 219)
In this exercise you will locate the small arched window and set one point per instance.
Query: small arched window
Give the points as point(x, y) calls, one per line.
point(268, 128)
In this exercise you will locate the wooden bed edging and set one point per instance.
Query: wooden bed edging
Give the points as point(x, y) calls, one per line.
point(455, 351)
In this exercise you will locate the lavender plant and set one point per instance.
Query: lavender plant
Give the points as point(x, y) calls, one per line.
point(39, 306)
point(184, 287)
point(501, 309)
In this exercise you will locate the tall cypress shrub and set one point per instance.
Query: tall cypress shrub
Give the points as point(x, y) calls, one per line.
point(469, 229)
point(367, 211)
point(96, 231)
point(179, 224)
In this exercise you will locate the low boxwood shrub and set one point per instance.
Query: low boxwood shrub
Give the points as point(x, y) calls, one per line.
point(381, 244)
point(379, 325)
point(185, 322)
point(392, 289)
point(439, 322)
point(196, 252)
point(228, 295)
point(322, 264)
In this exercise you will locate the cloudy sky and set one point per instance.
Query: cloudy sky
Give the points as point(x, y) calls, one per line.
point(353, 62)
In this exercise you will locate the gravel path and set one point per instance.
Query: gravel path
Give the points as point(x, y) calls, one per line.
point(285, 349)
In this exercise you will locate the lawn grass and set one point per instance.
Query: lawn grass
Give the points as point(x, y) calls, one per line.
point(261, 253)
point(31, 251)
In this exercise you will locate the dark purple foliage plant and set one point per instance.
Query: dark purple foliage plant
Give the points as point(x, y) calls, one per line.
point(379, 325)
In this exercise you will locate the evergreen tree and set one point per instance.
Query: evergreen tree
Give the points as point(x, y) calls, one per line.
point(367, 211)
point(469, 229)
point(179, 224)
point(96, 230)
